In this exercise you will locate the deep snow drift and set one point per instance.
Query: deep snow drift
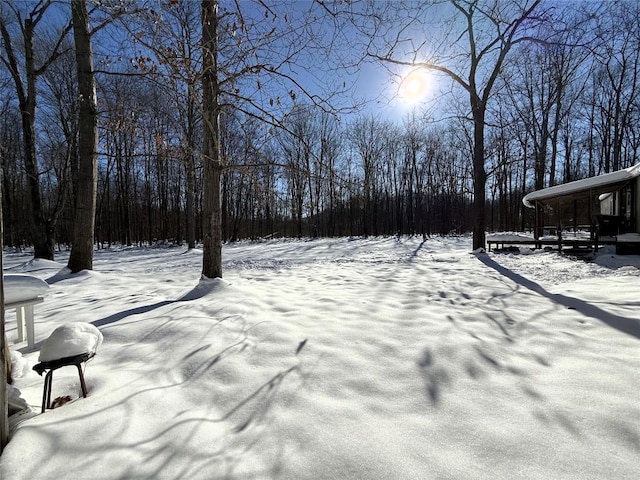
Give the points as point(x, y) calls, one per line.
point(377, 358)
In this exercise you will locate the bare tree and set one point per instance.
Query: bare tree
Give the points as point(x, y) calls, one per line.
point(368, 138)
point(260, 46)
point(170, 35)
point(81, 256)
point(11, 153)
point(472, 53)
point(212, 213)
point(296, 146)
point(617, 75)
point(25, 81)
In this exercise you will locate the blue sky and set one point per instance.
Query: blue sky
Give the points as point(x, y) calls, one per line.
point(371, 81)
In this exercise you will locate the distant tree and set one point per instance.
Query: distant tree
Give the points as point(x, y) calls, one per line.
point(367, 135)
point(543, 85)
point(328, 162)
point(124, 100)
point(414, 144)
point(616, 78)
point(58, 132)
point(171, 37)
point(295, 144)
point(11, 167)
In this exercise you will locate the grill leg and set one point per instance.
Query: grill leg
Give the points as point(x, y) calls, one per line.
point(48, 379)
point(82, 384)
point(46, 394)
point(49, 388)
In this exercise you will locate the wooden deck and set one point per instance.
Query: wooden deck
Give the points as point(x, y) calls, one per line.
point(562, 244)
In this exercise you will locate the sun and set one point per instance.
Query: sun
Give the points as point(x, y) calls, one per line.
point(414, 86)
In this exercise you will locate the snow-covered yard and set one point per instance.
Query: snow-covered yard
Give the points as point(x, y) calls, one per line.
point(377, 358)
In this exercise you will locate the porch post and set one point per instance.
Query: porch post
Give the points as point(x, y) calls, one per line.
point(536, 228)
point(592, 233)
point(559, 225)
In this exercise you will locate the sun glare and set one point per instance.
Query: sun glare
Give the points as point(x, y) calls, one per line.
point(414, 86)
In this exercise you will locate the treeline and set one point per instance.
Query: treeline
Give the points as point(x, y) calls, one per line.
point(566, 108)
point(314, 177)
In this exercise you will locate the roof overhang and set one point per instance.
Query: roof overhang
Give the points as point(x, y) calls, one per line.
point(609, 182)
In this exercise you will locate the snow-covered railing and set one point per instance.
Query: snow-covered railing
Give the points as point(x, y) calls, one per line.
point(21, 293)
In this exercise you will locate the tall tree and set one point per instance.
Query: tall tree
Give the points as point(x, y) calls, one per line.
point(81, 256)
point(481, 35)
point(212, 205)
point(259, 48)
point(25, 81)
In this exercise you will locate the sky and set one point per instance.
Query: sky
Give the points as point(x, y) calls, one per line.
point(344, 358)
point(371, 86)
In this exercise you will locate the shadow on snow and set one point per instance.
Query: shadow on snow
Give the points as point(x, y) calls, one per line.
point(630, 326)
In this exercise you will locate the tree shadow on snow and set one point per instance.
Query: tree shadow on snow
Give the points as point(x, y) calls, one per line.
point(131, 311)
point(205, 287)
point(236, 429)
point(630, 326)
point(415, 253)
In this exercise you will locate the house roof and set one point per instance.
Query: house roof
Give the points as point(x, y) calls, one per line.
point(596, 185)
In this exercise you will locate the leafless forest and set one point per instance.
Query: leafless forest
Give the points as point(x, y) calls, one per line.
point(301, 155)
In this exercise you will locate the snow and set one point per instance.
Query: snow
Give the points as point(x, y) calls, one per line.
point(18, 288)
point(69, 340)
point(519, 238)
point(15, 401)
point(350, 358)
point(18, 364)
point(509, 237)
point(582, 185)
point(629, 237)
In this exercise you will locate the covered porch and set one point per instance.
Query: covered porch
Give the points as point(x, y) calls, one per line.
point(584, 215)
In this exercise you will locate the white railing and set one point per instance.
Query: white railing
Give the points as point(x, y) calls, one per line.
point(24, 318)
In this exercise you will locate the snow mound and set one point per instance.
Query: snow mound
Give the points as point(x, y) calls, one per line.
point(16, 403)
point(36, 264)
point(65, 274)
point(23, 287)
point(18, 364)
point(193, 251)
point(69, 340)
point(205, 287)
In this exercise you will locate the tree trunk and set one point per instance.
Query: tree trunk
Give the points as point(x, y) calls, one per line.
point(479, 173)
point(190, 187)
point(81, 257)
point(42, 230)
point(41, 227)
point(212, 218)
point(5, 358)
point(190, 175)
